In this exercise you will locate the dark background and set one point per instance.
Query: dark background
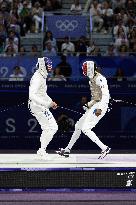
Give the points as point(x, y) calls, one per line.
point(20, 131)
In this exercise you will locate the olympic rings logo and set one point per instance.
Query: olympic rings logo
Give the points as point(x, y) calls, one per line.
point(67, 25)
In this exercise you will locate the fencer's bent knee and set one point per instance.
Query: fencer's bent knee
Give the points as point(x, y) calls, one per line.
point(90, 134)
point(54, 128)
point(85, 129)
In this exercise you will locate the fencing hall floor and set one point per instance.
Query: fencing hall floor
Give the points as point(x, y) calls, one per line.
point(75, 161)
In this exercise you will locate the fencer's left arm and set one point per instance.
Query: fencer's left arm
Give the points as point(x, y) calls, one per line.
point(102, 83)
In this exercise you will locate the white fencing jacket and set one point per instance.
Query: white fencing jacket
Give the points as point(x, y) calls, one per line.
point(38, 90)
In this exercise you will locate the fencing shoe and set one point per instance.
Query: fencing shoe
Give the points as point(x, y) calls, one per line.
point(104, 153)
point(42, 153)
point(63, 152)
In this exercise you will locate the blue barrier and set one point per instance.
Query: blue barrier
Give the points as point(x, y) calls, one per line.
point(109, 65)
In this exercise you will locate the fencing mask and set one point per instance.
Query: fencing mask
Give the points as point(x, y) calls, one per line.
point(44, 65)
point(88, 68)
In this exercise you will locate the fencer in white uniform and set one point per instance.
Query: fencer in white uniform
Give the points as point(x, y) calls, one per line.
point(40, 102)
point(95, 110)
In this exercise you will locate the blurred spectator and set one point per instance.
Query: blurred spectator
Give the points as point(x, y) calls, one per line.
point(22, 51)
point(1, 46)
point(90, 48)
point(67, 48)
point(49, 38)
point(4, 14)
point(111, 51)
point(57, 76)
point(132, 37)
point(119, 76)
point(120, 26)
point(13, 36)
point(42, 2)
point(131, 5)
point(96, 51)
point(16, 19)
point(15, 7)
point(2, 35)
point(11, 46)
point(29, 3)
point(87, 6)
point(10, 51)
point(7, 4)
point(81, 46)
point(37, 16)
point(49, 50)
point(76, 7)
point(20, 4)
point(32, 28)
point(93, 50)
point(51, 5)
point(132, 17)
point(123, 16)
point(26, 16)
point(118, 4)
point(121, 39)
point(1, 19)
point(133, 51)
point(107, 15)
point(81, 103)
point(123, 50)
point(48, 6)
point(96, 13)
point(65, 67)
point(65, 123)
point(17, 74)
point(34, 50)
point(14, 24)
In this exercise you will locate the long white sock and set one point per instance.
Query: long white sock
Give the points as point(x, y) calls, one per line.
point(73, 140)
point(95, 139)
point(45, 139)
